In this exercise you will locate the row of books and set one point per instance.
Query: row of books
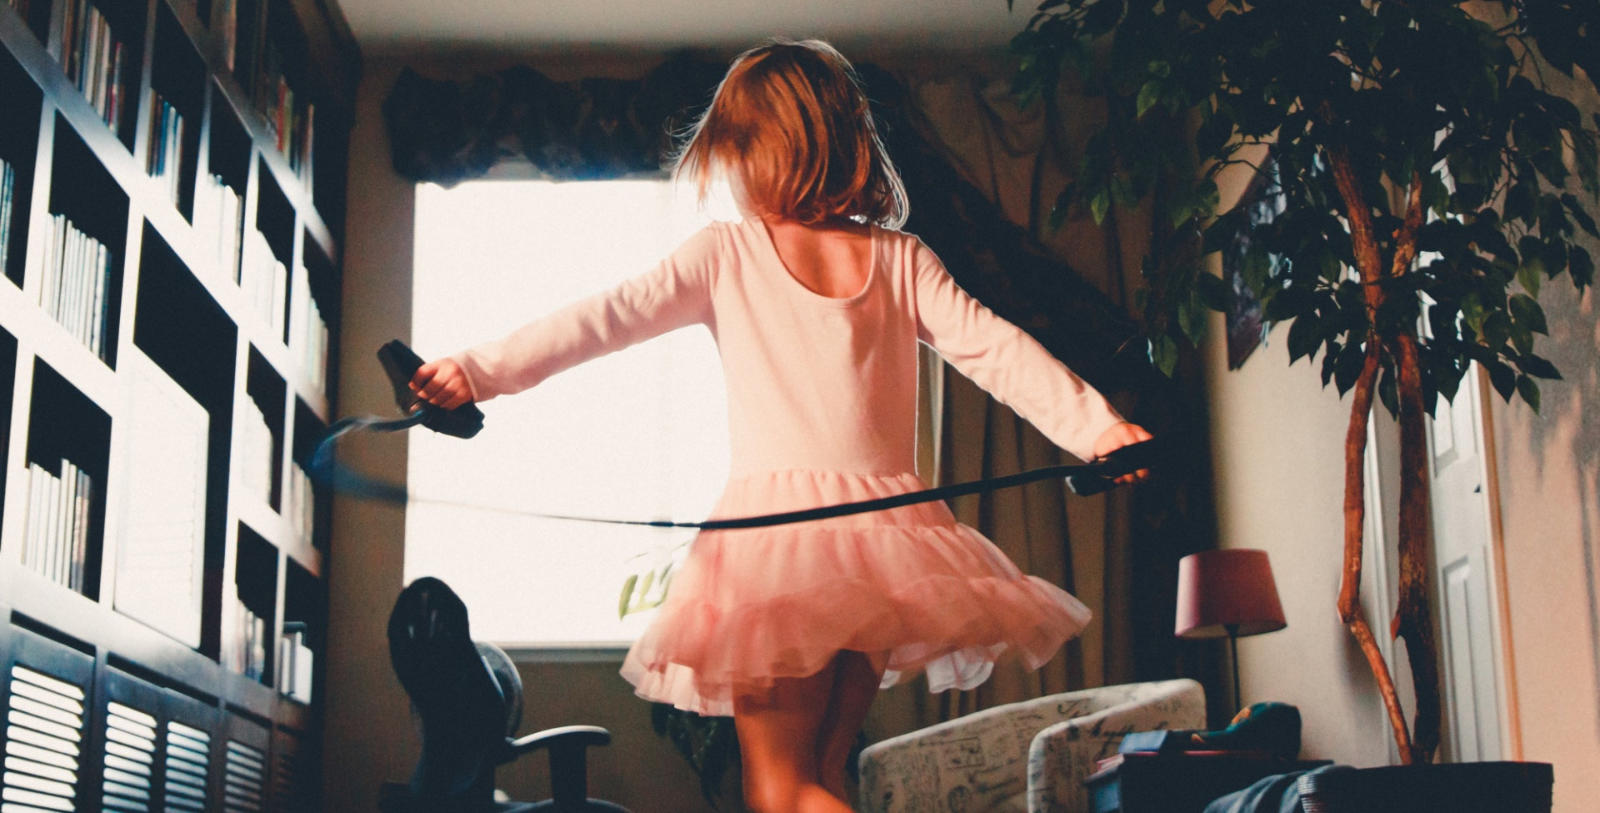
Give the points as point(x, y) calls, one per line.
point(93, 58)
point(295, 662)
point(310, 338)
point(219, 220)
point(300, 503)
point(8, 186)
point(245, 651)
point(76, 283)
point(264, 280)
point(57, 537)
point(164, 159)
point(291, 122)
point(257, 460)
point(21, 6)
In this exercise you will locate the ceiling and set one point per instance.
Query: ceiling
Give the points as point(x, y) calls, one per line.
point(381, 25)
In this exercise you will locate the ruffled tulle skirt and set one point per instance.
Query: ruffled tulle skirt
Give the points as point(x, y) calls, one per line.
point(910, 587)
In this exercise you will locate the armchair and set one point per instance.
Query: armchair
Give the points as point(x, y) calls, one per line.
point(1027, 756)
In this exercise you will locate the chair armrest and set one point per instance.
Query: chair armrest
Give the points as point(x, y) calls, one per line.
point(1061, 756)
point(561, 738)
point(975, 762)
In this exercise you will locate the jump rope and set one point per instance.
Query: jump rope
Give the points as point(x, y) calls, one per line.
point(400, 364)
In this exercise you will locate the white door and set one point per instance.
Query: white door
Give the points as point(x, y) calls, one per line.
point(1464, 583)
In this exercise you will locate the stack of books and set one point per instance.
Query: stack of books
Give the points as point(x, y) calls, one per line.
point(56, 542)
point(256, 459)
point(92, 58)
point(295, 660)
point(301, 503)
point(8, 186)
point(245, 651)
point(164, 158)
point(219, 219)
point(310, 339)
point(264, 281)
point(74, 288)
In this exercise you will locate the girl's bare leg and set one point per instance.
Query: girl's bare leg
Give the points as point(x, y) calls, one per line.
point(778, 746)
point(855, 684)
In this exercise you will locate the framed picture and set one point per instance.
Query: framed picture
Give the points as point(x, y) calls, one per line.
point(1261, 203)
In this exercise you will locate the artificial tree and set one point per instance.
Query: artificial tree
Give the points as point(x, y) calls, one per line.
point(1431, 180)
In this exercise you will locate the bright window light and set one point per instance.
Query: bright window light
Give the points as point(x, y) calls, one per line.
point(640, 433)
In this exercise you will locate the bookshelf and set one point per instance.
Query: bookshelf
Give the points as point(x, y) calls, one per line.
point(171, 203)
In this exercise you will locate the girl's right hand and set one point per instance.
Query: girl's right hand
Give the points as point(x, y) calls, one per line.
point(442, 383)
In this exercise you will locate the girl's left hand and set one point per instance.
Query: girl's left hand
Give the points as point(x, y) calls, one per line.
point(1118, 436)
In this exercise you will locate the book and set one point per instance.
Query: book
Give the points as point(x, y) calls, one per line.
point(8, 183)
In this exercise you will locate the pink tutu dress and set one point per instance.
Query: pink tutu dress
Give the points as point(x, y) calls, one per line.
point(822, 409)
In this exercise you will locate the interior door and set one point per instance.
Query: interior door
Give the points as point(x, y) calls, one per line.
point(1464, 597)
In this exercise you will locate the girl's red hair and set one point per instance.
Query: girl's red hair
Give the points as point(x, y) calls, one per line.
point(791, 120)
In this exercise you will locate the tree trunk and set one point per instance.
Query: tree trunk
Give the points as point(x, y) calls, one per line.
point(1413, 617)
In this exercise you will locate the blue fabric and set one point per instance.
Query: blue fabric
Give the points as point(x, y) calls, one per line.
point(1279, 793)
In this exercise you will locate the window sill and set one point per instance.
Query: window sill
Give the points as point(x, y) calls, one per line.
point(578, 653)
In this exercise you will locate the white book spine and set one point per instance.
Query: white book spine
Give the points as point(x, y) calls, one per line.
point(33, 547)
point(52, 509)
point(80, 548)
point(68, 527)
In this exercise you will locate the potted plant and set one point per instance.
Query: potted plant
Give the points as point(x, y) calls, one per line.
point(1431, 181)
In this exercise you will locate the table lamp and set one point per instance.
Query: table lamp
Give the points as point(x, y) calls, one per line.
point(1227, 592)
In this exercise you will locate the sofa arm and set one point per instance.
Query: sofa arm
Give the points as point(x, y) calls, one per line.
point(976, 762)
point(1063, 755)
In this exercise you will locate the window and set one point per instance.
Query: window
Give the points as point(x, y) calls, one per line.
point(638, 434)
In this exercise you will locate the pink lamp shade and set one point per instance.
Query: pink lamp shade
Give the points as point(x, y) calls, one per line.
point(1222, 588)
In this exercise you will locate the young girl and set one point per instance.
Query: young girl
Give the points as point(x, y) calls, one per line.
point(817, 304)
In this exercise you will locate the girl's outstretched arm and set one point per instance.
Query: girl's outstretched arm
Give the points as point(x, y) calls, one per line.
point(676, 293)
point(1013, 367)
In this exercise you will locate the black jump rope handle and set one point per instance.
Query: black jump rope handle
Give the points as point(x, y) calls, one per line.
point(400, 363)
point(1102, 475)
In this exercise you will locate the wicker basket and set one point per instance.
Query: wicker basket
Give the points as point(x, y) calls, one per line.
point(1468, 787)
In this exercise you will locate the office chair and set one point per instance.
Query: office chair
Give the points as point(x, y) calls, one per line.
point(468, 698)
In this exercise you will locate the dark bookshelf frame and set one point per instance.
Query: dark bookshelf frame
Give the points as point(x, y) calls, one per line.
point(168, 302)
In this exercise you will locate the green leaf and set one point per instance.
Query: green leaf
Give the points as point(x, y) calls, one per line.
point(1529, 390)
point(1582, 267)
point(1539, 367)
point(1304, 336)
point(1388, 392)
point(1099, 205)
point(1496, 329)
point(1527, 312)
point(627, 595)
point(1149, 96)
point(1530, 275)
point(1575, 208)
point(1502, 379)
point(1164, 354)
point(1519, 203)
point(1330, 360)
point(1349, 367)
